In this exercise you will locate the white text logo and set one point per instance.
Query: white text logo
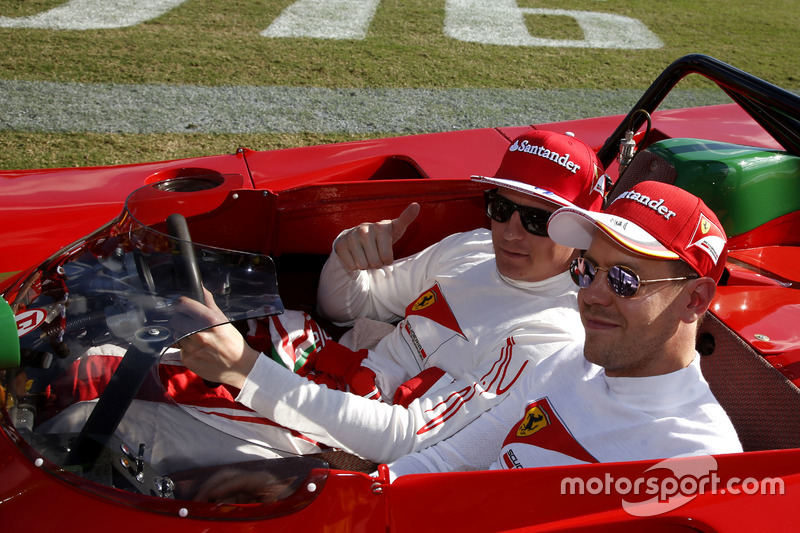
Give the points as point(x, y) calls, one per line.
point(541, 151)
point(689, 478)
point(655, 205)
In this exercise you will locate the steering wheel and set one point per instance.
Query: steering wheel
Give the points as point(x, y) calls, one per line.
point(139, 359)
point(187, 269)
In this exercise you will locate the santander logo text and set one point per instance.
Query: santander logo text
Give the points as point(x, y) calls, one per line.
point(546, 153)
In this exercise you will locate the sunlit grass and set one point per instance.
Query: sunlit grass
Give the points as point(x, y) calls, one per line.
point(216, 42)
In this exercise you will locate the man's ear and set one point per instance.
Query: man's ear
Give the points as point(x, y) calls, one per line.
point(700, 292)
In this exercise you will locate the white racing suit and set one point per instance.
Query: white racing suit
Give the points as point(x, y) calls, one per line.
point(467, 336)
point(567, 411)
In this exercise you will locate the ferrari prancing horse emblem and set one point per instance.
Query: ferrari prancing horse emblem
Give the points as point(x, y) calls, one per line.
point(535, 419)
point(425, 300)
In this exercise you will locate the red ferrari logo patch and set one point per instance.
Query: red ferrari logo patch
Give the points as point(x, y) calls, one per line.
point(432, 305)
point(541, 427)
point(709, 238)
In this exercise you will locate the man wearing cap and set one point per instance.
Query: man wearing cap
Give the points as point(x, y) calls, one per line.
point(477, 312)
point(633, 390)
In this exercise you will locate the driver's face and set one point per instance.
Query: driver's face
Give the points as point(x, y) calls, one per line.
point(521, 255)
point(631, 336)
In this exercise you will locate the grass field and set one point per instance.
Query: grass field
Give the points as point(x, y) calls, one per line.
point(218, 43)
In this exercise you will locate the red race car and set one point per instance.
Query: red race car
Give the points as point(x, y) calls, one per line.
point(93, 259)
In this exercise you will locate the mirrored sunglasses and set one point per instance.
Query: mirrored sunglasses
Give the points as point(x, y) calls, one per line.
point(624, 281)
point(499, 208)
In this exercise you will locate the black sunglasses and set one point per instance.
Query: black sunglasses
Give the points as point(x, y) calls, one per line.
point(499, 208)
point(623, 280)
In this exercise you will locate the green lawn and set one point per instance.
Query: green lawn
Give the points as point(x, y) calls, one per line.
point(217, 43)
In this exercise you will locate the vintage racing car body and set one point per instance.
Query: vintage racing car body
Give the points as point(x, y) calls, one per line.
point(95, 257)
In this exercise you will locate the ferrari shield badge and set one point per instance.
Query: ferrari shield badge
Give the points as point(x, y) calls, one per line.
point(534, 420)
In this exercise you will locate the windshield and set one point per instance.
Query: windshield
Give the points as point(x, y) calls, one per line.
point(95, 395)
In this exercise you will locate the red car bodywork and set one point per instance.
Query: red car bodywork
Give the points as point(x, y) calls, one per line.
point(310, 194)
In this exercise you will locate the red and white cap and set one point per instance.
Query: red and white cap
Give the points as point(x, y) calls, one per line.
point(553, 166)
point(654, 219)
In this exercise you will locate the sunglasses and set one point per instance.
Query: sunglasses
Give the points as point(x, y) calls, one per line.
point(499, 208)
point(623, 280)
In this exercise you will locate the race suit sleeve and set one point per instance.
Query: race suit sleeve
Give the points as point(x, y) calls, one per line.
point(475, 447)
point(379, 431)
point(343, 294)
point(380, 293)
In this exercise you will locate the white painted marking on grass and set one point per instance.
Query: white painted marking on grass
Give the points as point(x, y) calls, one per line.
point(93, 15)
point(331, 19)
point(502, 22)
point(499, 22)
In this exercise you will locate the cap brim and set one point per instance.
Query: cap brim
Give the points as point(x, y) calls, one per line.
point(575, 228)
point(524, 188)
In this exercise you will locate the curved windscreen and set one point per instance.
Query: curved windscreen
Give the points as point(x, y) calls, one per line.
point(98, 323)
